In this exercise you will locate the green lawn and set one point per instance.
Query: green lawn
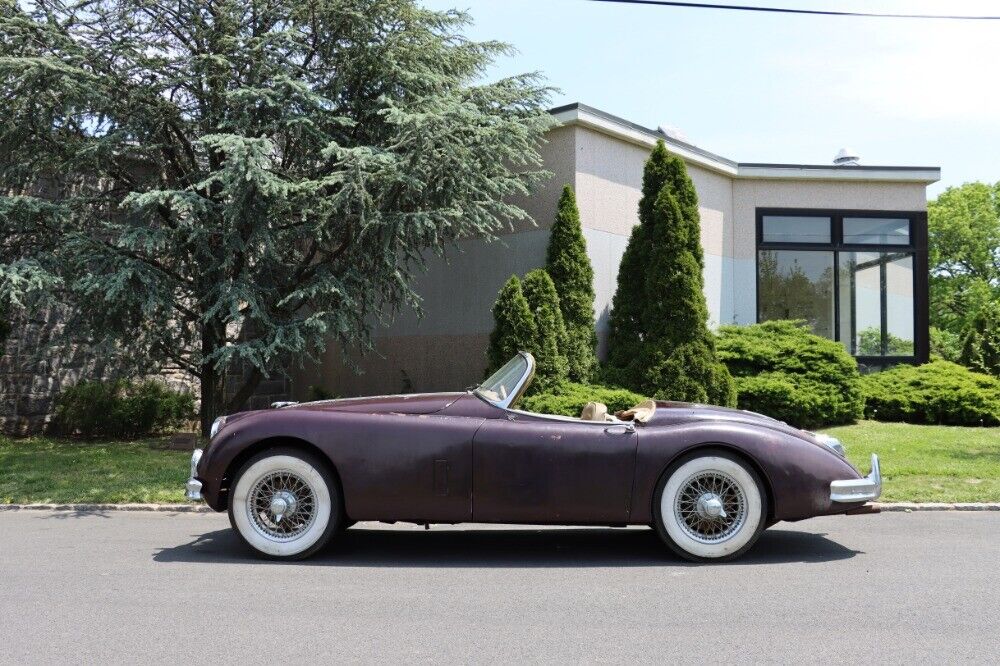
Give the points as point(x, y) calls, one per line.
point(44, 470)
point(927, 463)
point(919, 464)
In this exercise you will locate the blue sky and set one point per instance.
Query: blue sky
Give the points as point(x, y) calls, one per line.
point(774, 88)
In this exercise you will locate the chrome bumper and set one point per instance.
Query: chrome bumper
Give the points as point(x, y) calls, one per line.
point(858, 490)
point(193, 485)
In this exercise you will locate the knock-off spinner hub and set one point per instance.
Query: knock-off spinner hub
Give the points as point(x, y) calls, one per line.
point(283, 503)
point(709, 506)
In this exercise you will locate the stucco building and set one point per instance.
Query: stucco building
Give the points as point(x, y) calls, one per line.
point(843, 246)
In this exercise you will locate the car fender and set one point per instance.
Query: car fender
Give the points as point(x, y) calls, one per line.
point(796, 472)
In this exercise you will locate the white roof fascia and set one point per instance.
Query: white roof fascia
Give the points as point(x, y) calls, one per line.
point(626, 131)
point(646, 139)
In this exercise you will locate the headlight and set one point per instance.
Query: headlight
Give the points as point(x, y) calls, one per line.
point(216, 426)
point(832, 442)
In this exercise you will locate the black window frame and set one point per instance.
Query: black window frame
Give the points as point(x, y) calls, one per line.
point(916, 247)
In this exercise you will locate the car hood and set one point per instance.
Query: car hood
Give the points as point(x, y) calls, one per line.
point(410, 403)
point(680, 412)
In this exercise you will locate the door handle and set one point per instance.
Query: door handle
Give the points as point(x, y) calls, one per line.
point(619, 429)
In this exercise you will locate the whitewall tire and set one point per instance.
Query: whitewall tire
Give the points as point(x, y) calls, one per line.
point(710, 506)
point(284, 504)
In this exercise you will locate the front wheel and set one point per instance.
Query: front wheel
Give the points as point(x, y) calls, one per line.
point(709, 507)
point(284, 504)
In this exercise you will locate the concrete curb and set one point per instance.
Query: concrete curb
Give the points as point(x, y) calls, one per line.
point(98, 508)
point(939, 506)
point(203, 508)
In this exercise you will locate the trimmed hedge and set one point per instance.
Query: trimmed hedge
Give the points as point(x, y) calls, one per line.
point(120, 409)
point(568, 399)
point(786, 372)
point(939, 392)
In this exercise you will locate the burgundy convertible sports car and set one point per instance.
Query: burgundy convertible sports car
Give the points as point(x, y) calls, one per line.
point(709, 480)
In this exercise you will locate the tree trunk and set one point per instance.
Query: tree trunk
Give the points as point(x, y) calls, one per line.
point(211, 384)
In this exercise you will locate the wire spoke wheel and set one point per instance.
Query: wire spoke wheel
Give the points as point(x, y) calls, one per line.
point(281, 506)
point(710, 506)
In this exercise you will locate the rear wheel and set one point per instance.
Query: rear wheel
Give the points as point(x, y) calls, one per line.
point(285, 504)
point(710, 506)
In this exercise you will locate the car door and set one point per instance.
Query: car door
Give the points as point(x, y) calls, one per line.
point(533, 469)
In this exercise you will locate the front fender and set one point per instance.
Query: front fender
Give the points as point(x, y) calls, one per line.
point(797, 472)
point(243, 431)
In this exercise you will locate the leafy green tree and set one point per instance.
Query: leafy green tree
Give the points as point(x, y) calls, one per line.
point(552, 366)
point(240, 182)
point(625, 329)
point(981, 342)
point(964, 254)
point(569, 267)
point(945, 345)
point(514, 327)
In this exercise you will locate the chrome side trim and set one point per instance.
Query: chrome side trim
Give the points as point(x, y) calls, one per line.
point(192, 489)
point(858, 490)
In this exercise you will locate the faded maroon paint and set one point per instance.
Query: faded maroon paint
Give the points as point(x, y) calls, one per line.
point(452, 457)
point(414, 403)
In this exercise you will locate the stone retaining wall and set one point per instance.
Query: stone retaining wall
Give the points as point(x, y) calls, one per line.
point(37, 363)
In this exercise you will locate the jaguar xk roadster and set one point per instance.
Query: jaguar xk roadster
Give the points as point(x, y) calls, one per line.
point(709, 480)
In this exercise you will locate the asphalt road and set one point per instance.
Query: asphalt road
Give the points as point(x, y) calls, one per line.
point(144, 587)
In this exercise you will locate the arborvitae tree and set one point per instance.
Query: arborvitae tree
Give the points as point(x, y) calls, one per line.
point(661, 344)
point(569, 267)
point(552, 367)
point(677, 358)
point(514, 327)
point(625, 328)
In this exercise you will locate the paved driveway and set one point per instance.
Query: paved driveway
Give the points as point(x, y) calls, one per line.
point(144, 587)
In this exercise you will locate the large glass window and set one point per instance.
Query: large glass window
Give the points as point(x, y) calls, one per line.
point(876, 231)
point(876, 303)
point(796, 284)
point(850, 277)
point(795, 229)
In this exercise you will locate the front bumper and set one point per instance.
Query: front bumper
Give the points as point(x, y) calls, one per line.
point(193, 486)
point(858, 490)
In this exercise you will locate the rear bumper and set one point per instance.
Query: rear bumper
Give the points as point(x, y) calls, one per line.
point(192, 489)
point(858, 490)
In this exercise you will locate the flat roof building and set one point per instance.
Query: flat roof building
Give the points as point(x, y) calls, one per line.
point(842, 246)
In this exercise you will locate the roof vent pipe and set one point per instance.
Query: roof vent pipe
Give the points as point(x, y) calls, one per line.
point(674, 133)
point(847, 157)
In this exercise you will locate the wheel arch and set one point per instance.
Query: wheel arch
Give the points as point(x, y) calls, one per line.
point(717, 446)
point(282, 441)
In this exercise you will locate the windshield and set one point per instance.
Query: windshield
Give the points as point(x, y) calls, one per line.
point(505, 385)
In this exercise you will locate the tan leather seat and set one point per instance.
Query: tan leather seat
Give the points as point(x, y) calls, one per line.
point(642, 412)
point(594, 411)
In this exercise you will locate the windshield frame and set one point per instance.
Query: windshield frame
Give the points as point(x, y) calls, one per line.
point(516, 390)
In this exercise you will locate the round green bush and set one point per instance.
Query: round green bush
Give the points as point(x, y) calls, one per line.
point(120, 409)
point(786, 372)
point(568, 399)
point(939, 392)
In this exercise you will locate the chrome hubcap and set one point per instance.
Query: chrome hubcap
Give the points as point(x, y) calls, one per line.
point(282, 506)
point(710, 506)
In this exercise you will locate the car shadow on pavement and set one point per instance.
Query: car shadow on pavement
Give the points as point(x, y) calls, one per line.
point(586, 547)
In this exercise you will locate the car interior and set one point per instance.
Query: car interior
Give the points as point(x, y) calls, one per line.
point(507, 384)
